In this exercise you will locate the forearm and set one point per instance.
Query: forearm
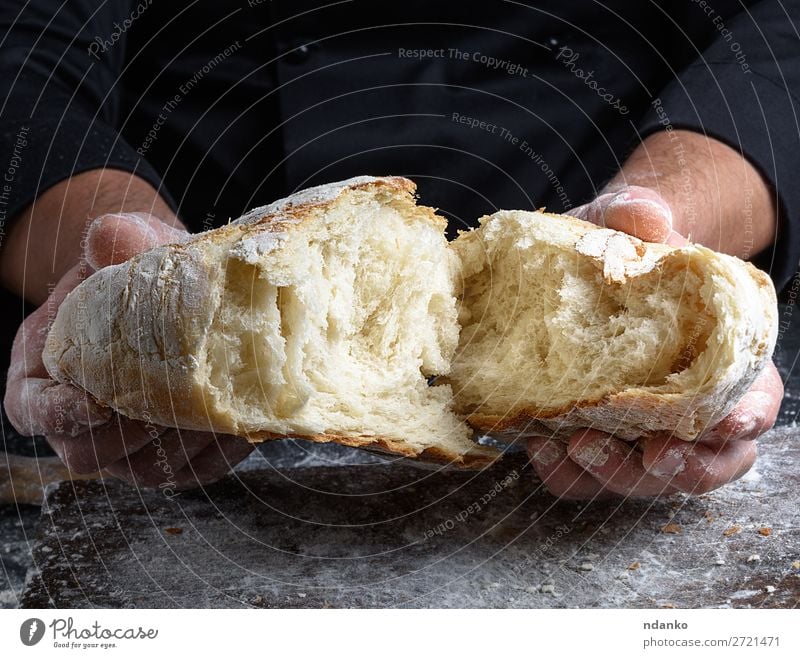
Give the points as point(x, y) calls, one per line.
point(45, 239)
point(717, 197)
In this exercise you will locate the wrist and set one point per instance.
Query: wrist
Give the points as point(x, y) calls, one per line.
point(717, 197)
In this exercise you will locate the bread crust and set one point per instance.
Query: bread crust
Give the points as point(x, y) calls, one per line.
point(104, 338)
point(477, 458)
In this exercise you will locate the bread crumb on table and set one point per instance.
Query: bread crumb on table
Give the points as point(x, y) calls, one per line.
point(733, 530)
point(671, 529)
point(765, 531)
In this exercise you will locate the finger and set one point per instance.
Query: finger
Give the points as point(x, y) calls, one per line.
point(162, 458)
point(97, 449)
point(675, 239)
point(35, 404)
point(213, 463)
point(755, 413)
point(640, 212)
point(695, 468)
point(562, 477)
point(637, 211)
point(26, 351)
point(615, 464)
point(117, 237)
point(42, 407)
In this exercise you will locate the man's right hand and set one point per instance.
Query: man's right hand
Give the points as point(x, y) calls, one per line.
point(87, 436)
point(593, 464)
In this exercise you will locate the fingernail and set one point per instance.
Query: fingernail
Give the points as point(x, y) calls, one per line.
point(548, 454)
point(671, 463)
point(139, 220)
point(609, 204)
point(594, 454)
point(647, 206)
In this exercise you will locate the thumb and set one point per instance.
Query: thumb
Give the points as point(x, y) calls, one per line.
point(637, 211)
point(117, 237)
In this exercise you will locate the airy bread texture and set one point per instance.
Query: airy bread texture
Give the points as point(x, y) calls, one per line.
point(324, 316)
point(320, 316)
point(567, 325)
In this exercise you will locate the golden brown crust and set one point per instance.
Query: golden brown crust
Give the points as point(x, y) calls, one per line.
point(491, 423)
point(480, 457)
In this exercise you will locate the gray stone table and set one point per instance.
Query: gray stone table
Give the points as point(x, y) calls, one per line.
point(394, 535)
point(306, 526)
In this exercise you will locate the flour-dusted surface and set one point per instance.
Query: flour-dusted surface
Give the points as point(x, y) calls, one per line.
point(18, 527)
point(271, 538)
point(393, 535)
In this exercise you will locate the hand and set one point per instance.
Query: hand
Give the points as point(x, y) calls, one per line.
point(596, 465)
point(87, 436)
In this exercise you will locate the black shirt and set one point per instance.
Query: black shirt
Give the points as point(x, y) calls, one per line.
point(226, 105)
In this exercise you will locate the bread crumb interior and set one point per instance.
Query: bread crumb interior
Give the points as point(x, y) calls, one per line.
point(542, 329)
point(339, 329)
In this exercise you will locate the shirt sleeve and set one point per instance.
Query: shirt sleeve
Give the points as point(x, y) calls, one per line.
point(743, 90)
point(59, 67)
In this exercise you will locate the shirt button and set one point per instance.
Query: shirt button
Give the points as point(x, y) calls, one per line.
point(299, 55)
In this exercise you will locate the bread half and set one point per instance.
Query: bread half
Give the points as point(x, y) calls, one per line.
point(566, 325)
point(320, 316)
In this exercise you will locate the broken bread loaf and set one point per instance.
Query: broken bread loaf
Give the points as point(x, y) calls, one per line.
point(325, 315)
point(566, 325)
point(320, 316)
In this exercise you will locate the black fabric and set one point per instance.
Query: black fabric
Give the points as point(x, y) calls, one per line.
point(744, 91)
point(60, 106)
point(231, 105)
